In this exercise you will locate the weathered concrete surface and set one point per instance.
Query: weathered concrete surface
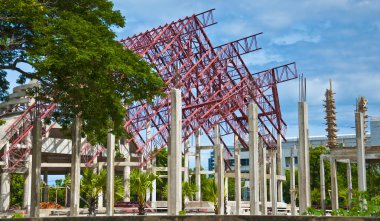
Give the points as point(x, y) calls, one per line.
point(200, 217)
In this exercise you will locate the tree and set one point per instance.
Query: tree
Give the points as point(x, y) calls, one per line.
point(93, 184)
point(17, 190)
point(140, 183)
point(70, 48)
point(210, 193)
point(188, 190)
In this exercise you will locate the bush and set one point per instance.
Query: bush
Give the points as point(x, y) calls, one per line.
point(17, 215)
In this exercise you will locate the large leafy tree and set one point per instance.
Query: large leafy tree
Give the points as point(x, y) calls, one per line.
point(70, 48)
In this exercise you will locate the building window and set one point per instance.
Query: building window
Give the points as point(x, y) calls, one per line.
point(244, 162)
point(232, 162)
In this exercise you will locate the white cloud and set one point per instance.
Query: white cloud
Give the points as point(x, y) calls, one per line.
point(295, 38)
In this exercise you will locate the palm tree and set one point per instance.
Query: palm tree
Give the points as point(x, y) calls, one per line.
point(92, 184)
point(210, 193)
point(140, 183)
point(188, 190)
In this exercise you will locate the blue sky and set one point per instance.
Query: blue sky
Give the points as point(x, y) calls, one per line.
point(336, 40)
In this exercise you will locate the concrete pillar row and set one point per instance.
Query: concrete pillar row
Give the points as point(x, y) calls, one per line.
point(175, 154)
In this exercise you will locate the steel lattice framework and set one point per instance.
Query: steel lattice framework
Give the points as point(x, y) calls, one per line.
point(215, 84)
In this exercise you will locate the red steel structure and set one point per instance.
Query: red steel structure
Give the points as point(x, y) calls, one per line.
point(215, 85)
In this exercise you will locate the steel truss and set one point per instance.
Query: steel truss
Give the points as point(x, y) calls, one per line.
point(215, 85)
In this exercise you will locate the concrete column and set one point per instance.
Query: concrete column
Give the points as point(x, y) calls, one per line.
point(322, 183)
point(100, 197)
point(5, 184)
point(126, 175)
point(292, 184)
point(46, 186)
point(174, 154)
point(273, 180)
point(36, 168)
point(110, 203)
point(198, 165)
point(279, 168)
point(303, 158)
point(27, 184)
point(154, 183)
point(149, 163)
point(75, 167)
point(359, 125)
point(349, 183)
point(237, 176)
point(254, 155)
point(334, 185)
point(263, 179)
point(219, 169)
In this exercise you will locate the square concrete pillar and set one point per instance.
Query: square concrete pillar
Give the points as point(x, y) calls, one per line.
point(273, 180)
point(280, 194)
point(237, 176)
point(292, 184)
point(263, 179)
point(198, 165)
point(126, 175)
point(303, 156)
point(36, 168)
point(75, 167)
point(175, 154)
point(110, 203)
point(5, 184)
point(101, 194)
point(349, 183)
point(359, 125)
point(322, 182)
point(254, 156)
point(334, 185)
point(219, 169)
point(27, 183)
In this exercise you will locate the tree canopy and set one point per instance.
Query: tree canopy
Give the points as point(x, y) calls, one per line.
point(70, 48)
